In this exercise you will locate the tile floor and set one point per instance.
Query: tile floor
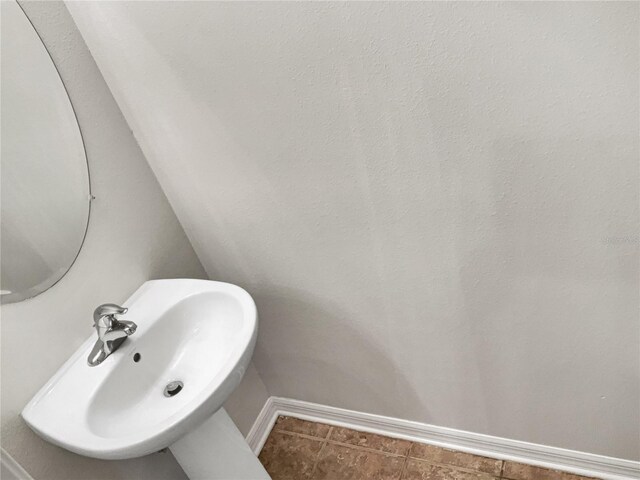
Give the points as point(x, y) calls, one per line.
point(299, 450)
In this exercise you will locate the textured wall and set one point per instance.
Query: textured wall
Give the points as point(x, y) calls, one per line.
point(435, 205)
point(133, 236)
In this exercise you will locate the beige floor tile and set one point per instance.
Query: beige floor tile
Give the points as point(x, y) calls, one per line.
point(370, 440)
point(299, 450)
point(338, 462)
point(520, 471)
point(295, 425)
point(289, 457)
point(420, 470)
point(456, 459)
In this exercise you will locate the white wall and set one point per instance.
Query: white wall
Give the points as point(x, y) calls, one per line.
point(425, 199)
point(133, 236)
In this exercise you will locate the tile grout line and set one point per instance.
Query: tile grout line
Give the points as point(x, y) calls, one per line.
point(404, 468)
point(317, 460)
point(406, 460)
point(451, 466)
point(366, 449)
point(343, 444)
point(277, 428)
point(302, 435)
point(502, 468)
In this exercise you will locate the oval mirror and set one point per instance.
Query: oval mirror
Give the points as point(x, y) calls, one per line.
point(44, 177)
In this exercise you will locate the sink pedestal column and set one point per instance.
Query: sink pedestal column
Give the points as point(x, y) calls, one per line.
point(216, 450)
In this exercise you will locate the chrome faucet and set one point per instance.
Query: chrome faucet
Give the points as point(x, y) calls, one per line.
point(111, 332)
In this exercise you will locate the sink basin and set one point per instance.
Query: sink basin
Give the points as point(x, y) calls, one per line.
point(197, 332)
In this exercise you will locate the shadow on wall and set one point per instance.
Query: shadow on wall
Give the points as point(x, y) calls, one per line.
point(57, 463)
point(315, 330)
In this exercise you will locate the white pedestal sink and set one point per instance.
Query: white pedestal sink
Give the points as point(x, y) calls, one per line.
point(197, 332)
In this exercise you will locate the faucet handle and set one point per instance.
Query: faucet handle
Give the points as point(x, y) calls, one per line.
point(106, 310)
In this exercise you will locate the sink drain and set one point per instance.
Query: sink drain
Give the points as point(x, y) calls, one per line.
point(173, 388)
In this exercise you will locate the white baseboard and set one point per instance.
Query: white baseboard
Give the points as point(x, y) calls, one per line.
point(10, 469)
point(580, 463)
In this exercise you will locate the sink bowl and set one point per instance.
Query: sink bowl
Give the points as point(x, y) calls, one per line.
point(197, 332)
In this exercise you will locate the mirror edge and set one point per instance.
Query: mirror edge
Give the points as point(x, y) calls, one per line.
point(51, 282)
